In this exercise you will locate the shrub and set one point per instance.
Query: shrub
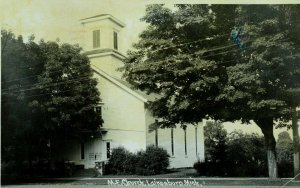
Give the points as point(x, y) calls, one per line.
point(130, 163)
point(154, 160)
point(285, 169)
point(206, 168)
point(284, 149)
point(63, 169)
point(242, 154)
point(230, 170)
point(215, 141)
point(246, 155)
point(117, 163)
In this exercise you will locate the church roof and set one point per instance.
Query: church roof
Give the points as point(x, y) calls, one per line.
point(99, 15)
point(105, 50)
point(103, 16)
point(126, 86)
point(149, 97)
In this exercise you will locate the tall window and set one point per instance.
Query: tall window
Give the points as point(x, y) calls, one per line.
point(115, 40)
point(172, 141)
point(156, 137)
point(196, 140)
point(185, 148)
point(108, 150)
point(82, 151)
point(96, 38)
point(98, 109)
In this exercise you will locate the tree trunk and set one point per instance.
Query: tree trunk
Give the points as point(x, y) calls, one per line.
point(296, 143)
point(266, 125)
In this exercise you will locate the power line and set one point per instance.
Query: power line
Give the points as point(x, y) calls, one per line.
point(209, 50)
point(231, 45)
point(212, 55)
point(23, 78)
point(196, 53)
point(36, 84)
point(26, 77)
point(223, 52)
point(49, 85)
point(224, 47)
point(200, 40)
point(181, 44)
point(42, 94)
point(63, 91)
point(86, 77)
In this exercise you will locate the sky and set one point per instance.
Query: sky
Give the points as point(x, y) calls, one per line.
point(61, 18)
point(52, 19)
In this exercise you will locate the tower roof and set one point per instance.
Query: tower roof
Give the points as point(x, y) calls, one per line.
point(102, 17)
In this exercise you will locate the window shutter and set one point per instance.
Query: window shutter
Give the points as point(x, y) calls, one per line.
point(96, 39)
point(115, 40)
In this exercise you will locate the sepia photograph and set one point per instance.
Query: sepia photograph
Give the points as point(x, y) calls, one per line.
point(150, 93)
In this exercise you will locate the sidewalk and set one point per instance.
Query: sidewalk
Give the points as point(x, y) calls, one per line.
point(135, 181)
point(185, 177)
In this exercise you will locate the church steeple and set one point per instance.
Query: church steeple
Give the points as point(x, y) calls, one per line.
point(101, 38)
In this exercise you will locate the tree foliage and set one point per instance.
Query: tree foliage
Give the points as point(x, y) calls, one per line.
point(186, 56)
point(48, 94)
point(177, 72)
point(15, 114)
point(265, 86)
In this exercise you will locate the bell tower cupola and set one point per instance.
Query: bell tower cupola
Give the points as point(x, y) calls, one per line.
point(102, 42)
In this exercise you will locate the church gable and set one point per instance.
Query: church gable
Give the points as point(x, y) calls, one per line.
point(118, 83)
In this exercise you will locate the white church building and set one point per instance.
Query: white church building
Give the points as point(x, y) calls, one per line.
point(123, 109)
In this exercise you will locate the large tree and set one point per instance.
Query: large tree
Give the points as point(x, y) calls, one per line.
point(291, 13)
point(48, 95)
point(188, 58)
point(264, 85)
point(17, 136)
